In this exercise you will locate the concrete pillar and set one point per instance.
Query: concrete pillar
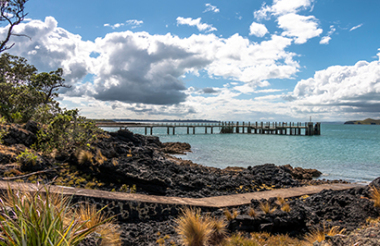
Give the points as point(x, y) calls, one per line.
point(205, 129)
point(249, 129)
point(262, 128)
point(168, 130)
point(173, 130)
point(193, 129)
point(243, 127)
point(146, 130)
point(212, 130)
point(187, 130)
point(237, 127)
point(151, 131)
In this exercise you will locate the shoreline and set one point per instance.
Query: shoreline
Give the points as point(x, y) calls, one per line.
point(132, 163)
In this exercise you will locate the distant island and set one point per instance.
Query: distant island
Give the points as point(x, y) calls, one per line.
point(368, 121)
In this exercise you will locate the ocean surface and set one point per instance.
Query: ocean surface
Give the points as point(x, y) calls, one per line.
point(348, 152)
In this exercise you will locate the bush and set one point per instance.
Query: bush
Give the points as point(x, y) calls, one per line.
point(27, 160)
point(42, 218)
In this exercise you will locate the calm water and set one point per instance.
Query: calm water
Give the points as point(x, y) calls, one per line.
point(349, 152)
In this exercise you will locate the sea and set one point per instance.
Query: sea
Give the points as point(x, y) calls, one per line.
point(347, 152)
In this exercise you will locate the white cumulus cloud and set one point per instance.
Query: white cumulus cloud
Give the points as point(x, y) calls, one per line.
point(341, 89)
point(258, 29)
point(301, 28)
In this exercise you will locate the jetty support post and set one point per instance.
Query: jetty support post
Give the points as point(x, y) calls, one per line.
point(243, 128)
point(151, 130)
point(187, 130)
point(193, 130)
point(173, 130)
point(212, 130)
point(237, 126)
point(317, 128)
point(146, 130)
point(205, 129)
point(249, 129)
point(168, 130)
point(256, 128)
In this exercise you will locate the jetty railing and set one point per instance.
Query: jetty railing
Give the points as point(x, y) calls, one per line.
point(278, 128)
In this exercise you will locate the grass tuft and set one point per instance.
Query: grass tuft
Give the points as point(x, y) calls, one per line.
point(281, 201)
point(100, 158)
point(252, 212)
point(229, 215)
point(85, 157)
point(219, 231)
point(375, 196)
point(319, 234)
point(286, 208)
point(92, 217)
point(41, 218)
point(265, 207)
point(194, 229)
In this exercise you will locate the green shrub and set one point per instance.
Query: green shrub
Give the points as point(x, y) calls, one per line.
point(27, 158)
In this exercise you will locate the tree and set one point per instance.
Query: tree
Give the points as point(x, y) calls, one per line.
point(24, 92)
point(12, 13)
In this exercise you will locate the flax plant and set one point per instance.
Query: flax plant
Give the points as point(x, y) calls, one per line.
point(39, 218)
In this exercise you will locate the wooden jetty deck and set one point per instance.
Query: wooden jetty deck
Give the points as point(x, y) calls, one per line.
point(280, 128)
point(211, 202)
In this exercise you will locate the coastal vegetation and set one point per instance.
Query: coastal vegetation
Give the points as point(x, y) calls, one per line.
point(45, 218)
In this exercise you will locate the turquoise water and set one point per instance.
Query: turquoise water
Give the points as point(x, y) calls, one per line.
point(349, 152)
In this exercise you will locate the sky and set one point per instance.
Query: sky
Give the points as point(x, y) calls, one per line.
point(244, 60)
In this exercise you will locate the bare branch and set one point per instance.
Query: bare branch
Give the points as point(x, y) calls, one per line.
point(11, 11)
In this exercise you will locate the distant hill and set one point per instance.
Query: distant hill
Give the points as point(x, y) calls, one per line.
point(368, 121)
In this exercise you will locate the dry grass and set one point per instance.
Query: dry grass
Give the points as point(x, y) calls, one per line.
point(281, 201)
point(229, 215)
point(261, 239)
point(265, 207)
point(99, 158)
point(92, 217)
point(375, 196)
point(194, 229)
point(85, 157)
point(286, 208)
point(114, 162)
point(219, 231)
point(320, 233)
point(252, 212)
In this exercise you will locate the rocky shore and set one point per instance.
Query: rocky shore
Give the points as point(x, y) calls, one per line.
point(127, 162)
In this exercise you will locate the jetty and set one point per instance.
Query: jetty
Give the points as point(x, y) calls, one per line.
point(279, 128)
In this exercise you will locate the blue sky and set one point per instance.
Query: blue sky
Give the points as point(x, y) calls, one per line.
point(246, 60)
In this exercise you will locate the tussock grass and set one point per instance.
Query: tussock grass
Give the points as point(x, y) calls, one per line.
point(194, 229)
point(85, 157)
point(252, 212)
point(286, 208)
point(99, 157)
point(42, 218)
point(265, 207)
point(319, 234)
point(219, 231)
point(375, 196)
point(261, 239)
point(92, 217)
point(229, 215)
point(281, 201)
